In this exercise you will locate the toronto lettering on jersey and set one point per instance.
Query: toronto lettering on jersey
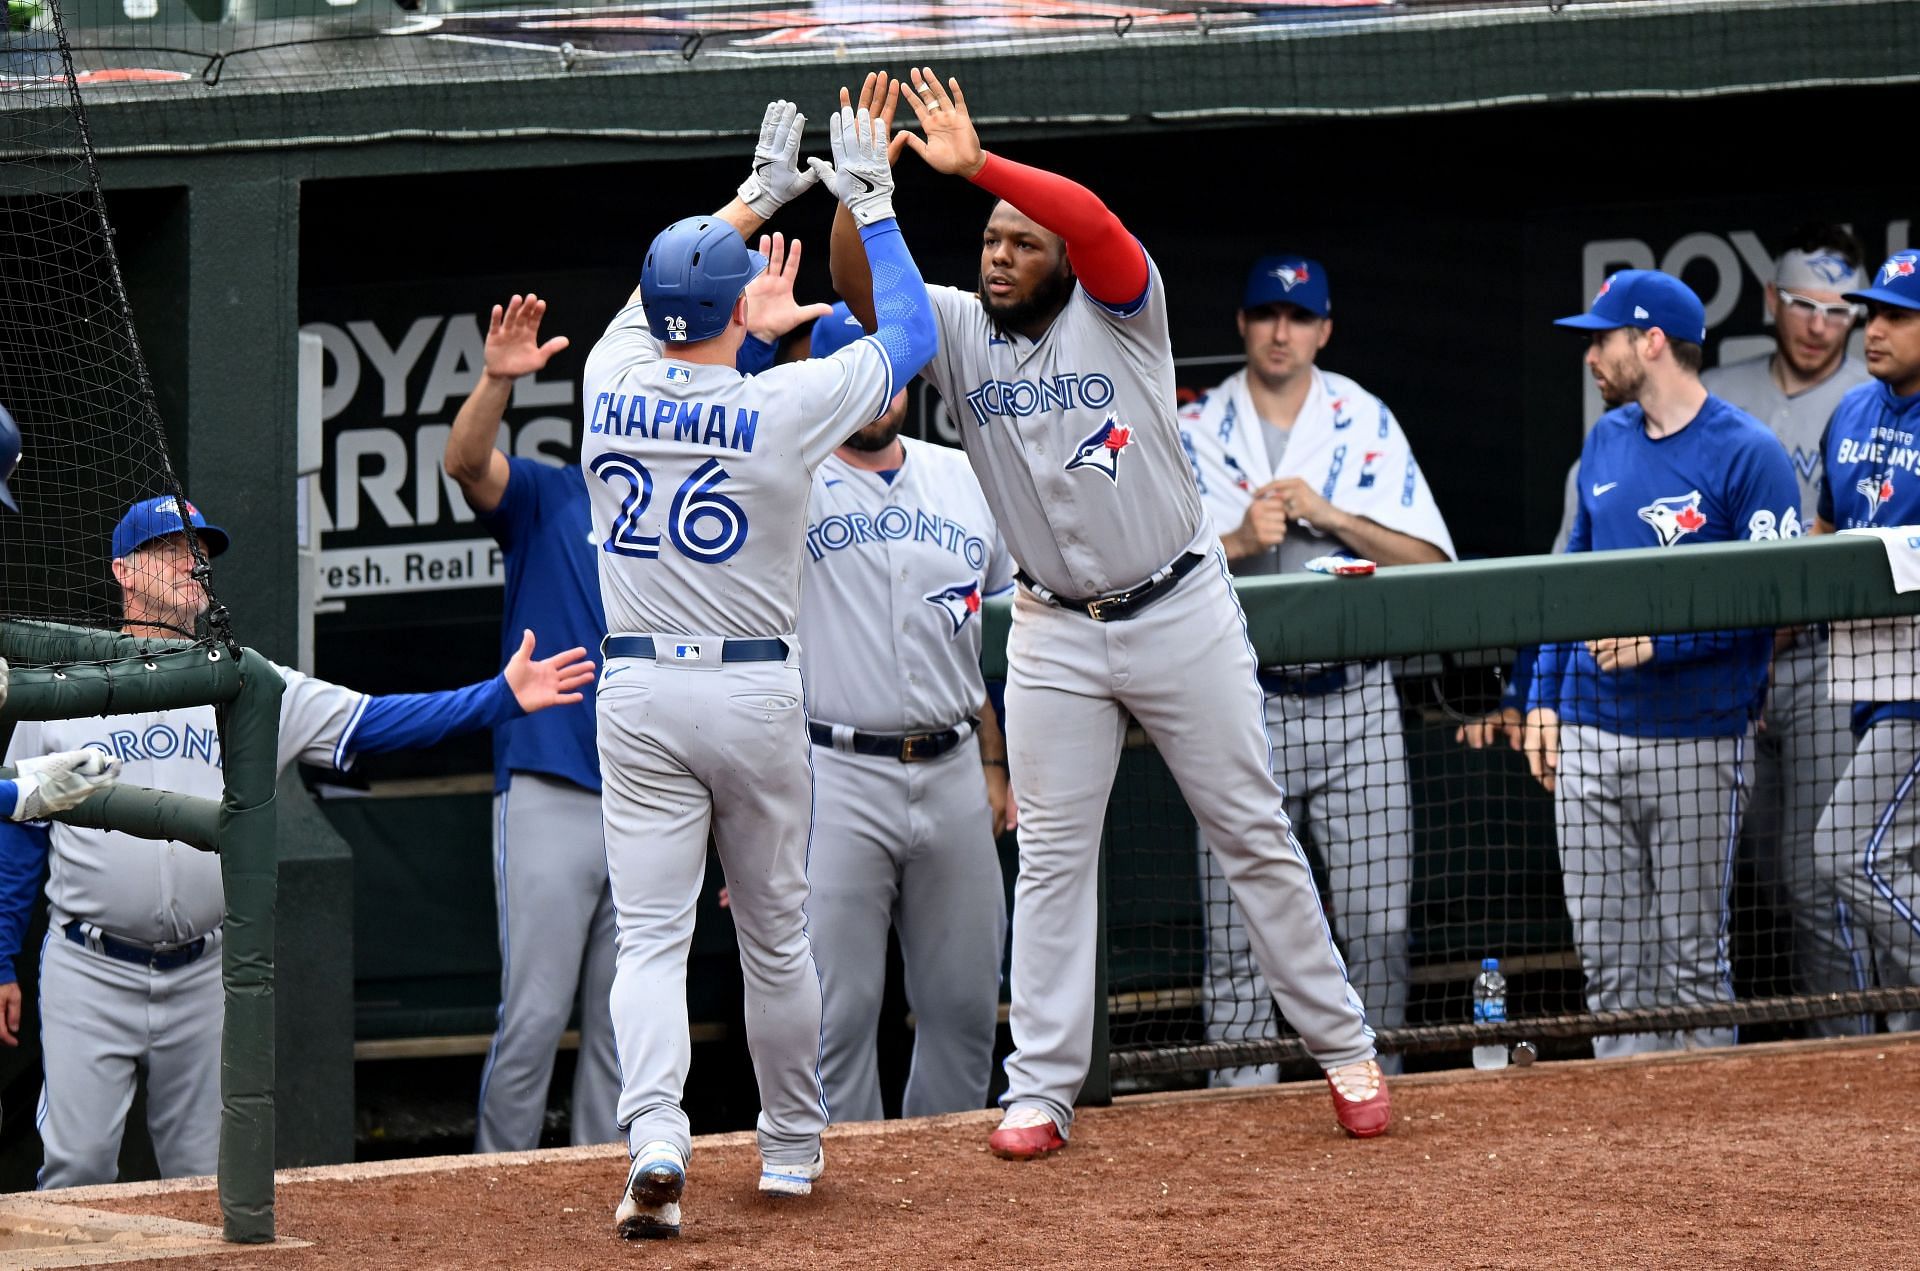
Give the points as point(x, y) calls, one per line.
point(621, 415)
point(894, 524)
point(1012, 399)
point(162, 741)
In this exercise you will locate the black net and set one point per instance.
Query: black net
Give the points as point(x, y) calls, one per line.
point(71, 373)
point(1722, 854)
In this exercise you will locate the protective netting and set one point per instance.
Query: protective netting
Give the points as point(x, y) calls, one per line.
point(1704, 861)
point(71, 372)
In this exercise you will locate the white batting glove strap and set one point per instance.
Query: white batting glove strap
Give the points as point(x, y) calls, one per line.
point(777, 178)
point(56, 782)
point(863, 179)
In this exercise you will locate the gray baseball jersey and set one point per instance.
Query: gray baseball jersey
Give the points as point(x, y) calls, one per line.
point(890, 602)
point(1073, 437)
point(1799, 421)
point(698, 483)
point(676, 454)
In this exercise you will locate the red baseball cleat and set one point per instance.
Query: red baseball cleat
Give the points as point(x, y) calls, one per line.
point(1360, 1099)
point(1025, 1134)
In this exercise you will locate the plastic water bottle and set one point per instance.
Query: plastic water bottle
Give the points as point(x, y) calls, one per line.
point(1490, 1007)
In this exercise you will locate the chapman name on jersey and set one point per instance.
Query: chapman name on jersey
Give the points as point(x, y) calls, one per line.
point(696, 423)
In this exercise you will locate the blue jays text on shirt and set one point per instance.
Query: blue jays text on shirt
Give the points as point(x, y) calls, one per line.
point(623, 415)
point(1890, 448)
point(1012, 399)
point(895, 524)
point(162, 741)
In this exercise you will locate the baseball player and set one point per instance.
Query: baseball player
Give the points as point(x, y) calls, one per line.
point(901, 549)
point(698, 480)
point(1292, 463)
point(1868, 842)
point(125, 976)
point(1798, 753)
point(1061, 371)
point(1647, 740)
point(49, 783)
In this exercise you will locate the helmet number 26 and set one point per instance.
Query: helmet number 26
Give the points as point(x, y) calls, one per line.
point(702, 523)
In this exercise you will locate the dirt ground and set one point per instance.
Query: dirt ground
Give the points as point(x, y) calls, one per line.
point(1790, 1156)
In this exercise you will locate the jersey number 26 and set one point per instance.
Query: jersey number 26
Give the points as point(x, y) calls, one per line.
point(702, 523)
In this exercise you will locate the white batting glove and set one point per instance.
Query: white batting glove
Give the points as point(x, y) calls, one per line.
point(56, 782)
point(860, 176)
point(776, 179)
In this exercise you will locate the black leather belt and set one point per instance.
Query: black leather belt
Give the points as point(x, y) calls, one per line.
point(1120, 605)
point(1318, 684)
point(632, 646)
point(164, 958)
point(906, 747)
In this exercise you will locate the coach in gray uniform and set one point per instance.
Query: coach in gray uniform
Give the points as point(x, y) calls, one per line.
point(1060, 369)
point(1803, 744)
point(1294, 462)
point(901, 550)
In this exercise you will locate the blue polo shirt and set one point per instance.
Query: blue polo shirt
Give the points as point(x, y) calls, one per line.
point(553, 588)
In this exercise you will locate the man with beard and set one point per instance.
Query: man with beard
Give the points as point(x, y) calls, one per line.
point(909, 768)
point(1294, 463)
point(1646, 741)
point(1799, 751)
point(1060, 369)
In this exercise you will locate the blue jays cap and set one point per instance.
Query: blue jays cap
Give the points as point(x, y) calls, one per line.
point(835, 331)
point(1291, 280)
point(156, 518)
point(1644, 298)
point(9, 456)
point(1896, 283)
point(695, 270)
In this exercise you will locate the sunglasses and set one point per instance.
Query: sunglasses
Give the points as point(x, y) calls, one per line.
point(1809, 308)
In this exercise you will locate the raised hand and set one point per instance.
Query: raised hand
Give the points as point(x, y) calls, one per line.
point(777, 178)
point(513, 339)
point(554, 681)
point(771, 308)
point(862, 178)
point(951, 146)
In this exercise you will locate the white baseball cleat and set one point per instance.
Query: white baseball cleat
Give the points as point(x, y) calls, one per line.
point(650, 1207)
point(790, 1179)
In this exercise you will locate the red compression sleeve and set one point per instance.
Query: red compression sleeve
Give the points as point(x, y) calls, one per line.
point(1109, 261)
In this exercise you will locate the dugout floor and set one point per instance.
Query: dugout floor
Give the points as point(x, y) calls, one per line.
point(1786, 1155)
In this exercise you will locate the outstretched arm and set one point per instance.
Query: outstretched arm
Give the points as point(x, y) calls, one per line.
point(409, 721)
point(1106, 257)
point(513, 349)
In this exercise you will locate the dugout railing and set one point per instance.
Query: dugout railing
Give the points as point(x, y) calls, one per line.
point(1486, 876)
point(68, 672)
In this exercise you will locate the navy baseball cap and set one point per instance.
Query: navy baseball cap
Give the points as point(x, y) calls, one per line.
point(695, 270)
point(156, 518)
point(1644, 298)
point(835, 331)
point(1292, 280)
point(1896, 283)
point(9, 456)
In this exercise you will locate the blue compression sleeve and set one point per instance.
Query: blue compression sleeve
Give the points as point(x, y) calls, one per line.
point(408, 721)
point(9, 795)
point(755, 355)
point(900, 304)
point(23, 854)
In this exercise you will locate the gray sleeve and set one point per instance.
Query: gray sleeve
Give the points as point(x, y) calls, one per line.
point(953, 310)
point(627, 342)
point(26, 743)
point(317, 720)
point(1142, 323)
point(841, 394)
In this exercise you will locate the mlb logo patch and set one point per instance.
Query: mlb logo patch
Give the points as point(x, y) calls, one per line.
point(686, 653)
point(679, 375)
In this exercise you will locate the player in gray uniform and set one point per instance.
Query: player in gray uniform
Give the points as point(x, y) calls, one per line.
point(1293, 463)
point(126, 979)
point(698, 480)
point(901, 549)
point(1061, 372)
point(1803, 741)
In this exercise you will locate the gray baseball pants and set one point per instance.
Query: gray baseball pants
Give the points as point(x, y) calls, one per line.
point(556, 939)
point(100, 1020)
point(684, 749)
point(1798, 758)
point(1184, 670)
point(1342, 760)
point(907, 846)
point(1868, 847)
point(1648, 827)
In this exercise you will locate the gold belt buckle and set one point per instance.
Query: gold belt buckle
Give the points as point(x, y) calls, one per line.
point(910, 747)
point(1097, 609)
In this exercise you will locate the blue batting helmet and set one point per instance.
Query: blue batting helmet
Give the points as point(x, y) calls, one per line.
point(9, 456)
point(695, 270)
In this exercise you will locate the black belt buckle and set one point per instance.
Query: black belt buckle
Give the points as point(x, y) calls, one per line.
point(919, 747)
point(1109, 608)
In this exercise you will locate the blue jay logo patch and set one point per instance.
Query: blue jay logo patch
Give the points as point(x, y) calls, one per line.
point(1101, 449)
point(959, 602)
